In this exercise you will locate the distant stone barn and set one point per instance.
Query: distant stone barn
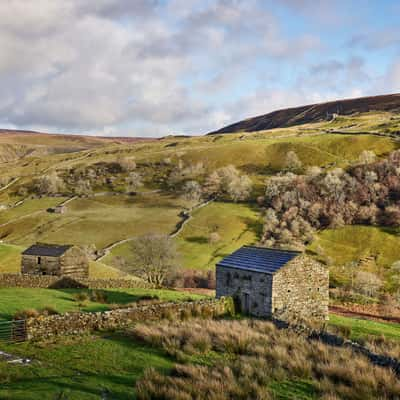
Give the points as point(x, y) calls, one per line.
point(52, 259)
point(275, 283)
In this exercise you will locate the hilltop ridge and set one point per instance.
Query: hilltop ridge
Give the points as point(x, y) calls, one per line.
point(314, 113)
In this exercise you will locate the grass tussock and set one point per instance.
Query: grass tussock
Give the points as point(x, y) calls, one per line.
point(247, 357)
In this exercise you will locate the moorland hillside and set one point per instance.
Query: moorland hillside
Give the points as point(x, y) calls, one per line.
point(314, 113)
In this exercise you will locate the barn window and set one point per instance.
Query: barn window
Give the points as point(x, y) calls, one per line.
point(228, 278)
point(39, 260)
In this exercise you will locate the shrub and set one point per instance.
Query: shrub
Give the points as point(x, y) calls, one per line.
point(81, 297)
point(99, 296)
point(49, 310)
point(24, 314)
point(229, 305)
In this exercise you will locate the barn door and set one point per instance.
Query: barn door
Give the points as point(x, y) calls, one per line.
point(246, 303)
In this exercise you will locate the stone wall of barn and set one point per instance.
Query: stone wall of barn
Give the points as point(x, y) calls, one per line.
point(300, 290)
point(252, 290)
point(74, 263)
point(48, 265)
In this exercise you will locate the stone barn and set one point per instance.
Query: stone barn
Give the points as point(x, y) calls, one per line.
point(52, 259)
point(275, 283)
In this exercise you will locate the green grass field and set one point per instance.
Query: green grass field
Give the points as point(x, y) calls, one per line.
point(236, 224)
point(98, 220)
point(88, 367)
point(80, 368)
point(352, 242)
point(361, 328)
point(17, 299)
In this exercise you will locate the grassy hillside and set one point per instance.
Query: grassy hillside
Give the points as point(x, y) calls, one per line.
point(18, 299)
point(363, 328)
point(315, 112)
point(103, 220)
point(99, 220)
point(352, 243)
point(236, 225)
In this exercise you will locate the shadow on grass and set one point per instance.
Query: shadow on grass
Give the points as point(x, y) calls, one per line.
point(390, 230)
point(254, 225)
point(197, 239)
point(256, 169)
point(111, 296)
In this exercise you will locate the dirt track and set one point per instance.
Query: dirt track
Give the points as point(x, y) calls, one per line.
point(346, 312)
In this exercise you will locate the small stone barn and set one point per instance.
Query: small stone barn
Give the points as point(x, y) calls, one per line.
point(52, 259)
point(275, 283)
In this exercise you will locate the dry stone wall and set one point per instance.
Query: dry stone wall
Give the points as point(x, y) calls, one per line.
point(300, 290)
point(48, 281)
point(45, 327)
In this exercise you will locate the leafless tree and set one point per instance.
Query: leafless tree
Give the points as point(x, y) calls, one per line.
point(127, 164)
point(367, 283)
point(367, 157)
point(154, 258)
point(228, 182)
point(133, 182)
point(192, 191)
point(292, 162)
point(49, 184)
point(83, 187)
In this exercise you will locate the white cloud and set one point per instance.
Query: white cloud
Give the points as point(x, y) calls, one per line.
point(156, 67)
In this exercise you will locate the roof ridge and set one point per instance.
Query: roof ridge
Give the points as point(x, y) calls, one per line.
point(51, 244)
point(273, 249)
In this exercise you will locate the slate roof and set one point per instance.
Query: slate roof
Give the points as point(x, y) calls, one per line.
point(43, 249)
point(258, 259)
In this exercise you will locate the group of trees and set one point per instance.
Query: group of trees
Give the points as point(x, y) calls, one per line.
point(367, 193)
point(224, 183)
point(82, 180)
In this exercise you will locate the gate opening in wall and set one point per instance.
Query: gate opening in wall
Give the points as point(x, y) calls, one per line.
point(13, 331)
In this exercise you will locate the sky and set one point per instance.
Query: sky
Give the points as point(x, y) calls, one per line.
point(161, 67)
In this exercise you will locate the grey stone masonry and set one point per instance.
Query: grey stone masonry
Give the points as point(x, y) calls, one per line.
point(288, 286)
point(300, 290)
point(251, 289)
point(55, 260)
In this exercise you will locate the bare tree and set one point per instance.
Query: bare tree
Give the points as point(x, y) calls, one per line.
point(133, 182)
point(368, 283)
point(367, 157)
point(49, 184)
point(240, 188)
point(127, 164)
point(292, 162)
point(227, 181)
point(192, 191)
point(155, 258)
point(83, 187)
